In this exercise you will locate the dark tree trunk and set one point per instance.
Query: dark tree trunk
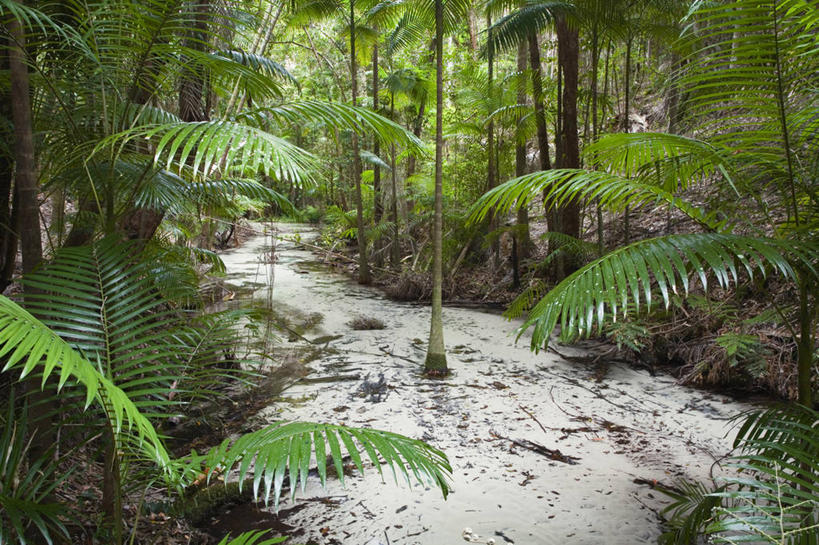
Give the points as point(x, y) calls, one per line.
point(26, 204)
point(569, 54)
point(417, 127)
point(537, 97)
point(8, 228)
point(25, 165)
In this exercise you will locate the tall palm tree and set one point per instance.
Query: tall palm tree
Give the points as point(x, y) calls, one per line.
point(435, 362)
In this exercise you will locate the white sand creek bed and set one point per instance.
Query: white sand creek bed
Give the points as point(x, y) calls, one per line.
point(627, 427)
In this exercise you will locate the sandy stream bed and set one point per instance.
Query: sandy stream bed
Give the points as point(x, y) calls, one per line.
point(619, 433)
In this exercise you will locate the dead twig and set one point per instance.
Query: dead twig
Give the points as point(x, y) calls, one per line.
point(552, 454)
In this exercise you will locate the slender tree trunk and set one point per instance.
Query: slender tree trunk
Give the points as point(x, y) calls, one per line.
point(491, 180)
point(363, 263)
point(417, 127)
point(112, 488)
point(472, 26)
point(395, 246)
point(523, 246)
point(806, 343)
point(435, 363)
point(378, 205)
point(627, 126)
point(537, 97)
point(595, 128)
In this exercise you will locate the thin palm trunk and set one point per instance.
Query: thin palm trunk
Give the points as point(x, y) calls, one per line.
point(435, 362)
point(524, 242)
point(594, 128)
point(363, 263)
point(806, 343)
point(627, 126)
point(491, 180)
point(8, 232)
point(378, 206)
point(537, 97)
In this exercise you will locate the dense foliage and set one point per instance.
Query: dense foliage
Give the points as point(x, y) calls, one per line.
point(606, 166)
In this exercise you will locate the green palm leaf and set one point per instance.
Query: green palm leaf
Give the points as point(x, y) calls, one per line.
point(288, 450)
point(774, 495)
point(532, 18)
point(30, 346)
point(251, 538)
point(676, 160)
point(337, 115)
point(607, 287)
point(206, 146)
point(561, 185)
point(752, 76)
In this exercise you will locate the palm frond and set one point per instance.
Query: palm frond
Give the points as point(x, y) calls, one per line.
point(531, 18)
point(563, 185)
point(30, 345)
point(690, 510)
point(286, 450)
point(251, 538)
point(774, 496)
point(607, 287)
point(677, 160)
point(262, 64)
point(750, 75)
point(113, 317)
point(231, 147)
point(337, 115)
point(526, 300)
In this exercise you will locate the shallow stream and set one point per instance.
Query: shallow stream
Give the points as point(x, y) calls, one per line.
point(621, 428)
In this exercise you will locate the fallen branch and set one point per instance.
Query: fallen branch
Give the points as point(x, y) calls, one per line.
point(552, 454)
